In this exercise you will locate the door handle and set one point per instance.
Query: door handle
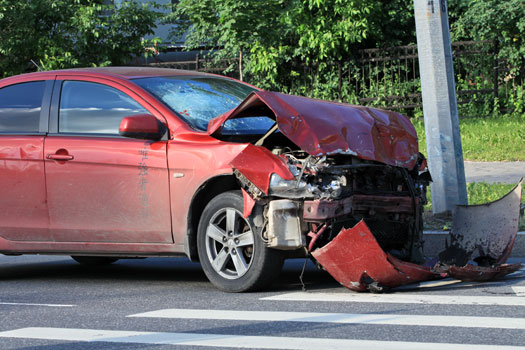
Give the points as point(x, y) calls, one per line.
point(60, 157)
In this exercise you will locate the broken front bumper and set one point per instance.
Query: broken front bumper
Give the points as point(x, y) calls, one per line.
point(355, 259)
point(484, 233)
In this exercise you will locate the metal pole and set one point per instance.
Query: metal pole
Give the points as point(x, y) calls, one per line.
point(240, 66)
point(445, 156)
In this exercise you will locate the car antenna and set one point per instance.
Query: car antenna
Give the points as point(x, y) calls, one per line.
point(36, 65)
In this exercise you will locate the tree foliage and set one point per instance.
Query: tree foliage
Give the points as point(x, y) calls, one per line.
point(499, 20)
point(69, 33)
point(306, 46)
point(274, 33)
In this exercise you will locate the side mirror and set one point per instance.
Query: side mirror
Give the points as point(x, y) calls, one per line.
point(142, 126)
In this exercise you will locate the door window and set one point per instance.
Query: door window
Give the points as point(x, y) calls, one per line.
point(20, 107)
point(92, 108)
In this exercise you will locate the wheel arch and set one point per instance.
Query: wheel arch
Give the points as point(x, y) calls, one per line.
point(208, 190)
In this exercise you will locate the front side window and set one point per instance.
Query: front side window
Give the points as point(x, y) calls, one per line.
point(20, 107)
point(92, 108)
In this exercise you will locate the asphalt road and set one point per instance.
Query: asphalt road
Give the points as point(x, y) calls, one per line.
point(55, 303)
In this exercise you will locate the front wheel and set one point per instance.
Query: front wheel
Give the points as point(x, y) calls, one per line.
point(231, 250)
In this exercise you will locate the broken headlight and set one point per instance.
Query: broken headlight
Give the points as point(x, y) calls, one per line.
point(289, 188)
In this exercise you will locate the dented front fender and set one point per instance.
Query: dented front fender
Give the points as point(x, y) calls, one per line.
point(257, 164)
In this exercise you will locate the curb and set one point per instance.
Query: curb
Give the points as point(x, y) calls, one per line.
point(435, 242)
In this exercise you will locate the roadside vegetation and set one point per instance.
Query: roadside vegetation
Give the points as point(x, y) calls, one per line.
point(499, 138)
point(56, 34)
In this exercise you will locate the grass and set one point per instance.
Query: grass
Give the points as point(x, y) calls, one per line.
point(478, 193)
point(487, 139)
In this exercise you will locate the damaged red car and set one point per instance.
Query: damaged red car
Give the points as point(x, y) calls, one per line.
point(109, 163)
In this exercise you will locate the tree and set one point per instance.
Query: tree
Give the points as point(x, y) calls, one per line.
point(499, 20)
point(274, 34)
point(70, 33)
point(307, 46)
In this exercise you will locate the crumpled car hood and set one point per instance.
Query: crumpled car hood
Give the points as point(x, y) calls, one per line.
point(323, 128)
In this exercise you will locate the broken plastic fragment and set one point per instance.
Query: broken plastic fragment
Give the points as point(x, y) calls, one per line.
point(355, 259)
point(484, 233)
point(481, 273)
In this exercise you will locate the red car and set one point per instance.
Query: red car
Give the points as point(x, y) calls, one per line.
point(109, 163)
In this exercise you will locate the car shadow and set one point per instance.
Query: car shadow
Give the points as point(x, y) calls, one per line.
point(61, 269)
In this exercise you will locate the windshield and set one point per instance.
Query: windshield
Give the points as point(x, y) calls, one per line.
point(197, 100)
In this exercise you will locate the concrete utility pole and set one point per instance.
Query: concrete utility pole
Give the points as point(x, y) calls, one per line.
point(445, 156)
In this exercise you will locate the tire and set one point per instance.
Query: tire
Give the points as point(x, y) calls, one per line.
point(94, 260)
point(231, 250)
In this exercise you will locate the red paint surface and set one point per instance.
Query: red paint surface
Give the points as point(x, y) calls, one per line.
point(321, 127)
point(258, 164)
point(355, 259)
point(70, 248)
point(199, 158)
point(142, 123)
point(249, 203)
point(101, 196)
point(23, 210)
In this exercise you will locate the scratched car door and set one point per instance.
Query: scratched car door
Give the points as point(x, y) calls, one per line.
point(23, 125)
point(102, 187)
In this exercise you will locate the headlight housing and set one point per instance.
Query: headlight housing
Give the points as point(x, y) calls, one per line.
point(289, 188)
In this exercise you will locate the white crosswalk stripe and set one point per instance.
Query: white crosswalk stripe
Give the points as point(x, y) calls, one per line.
point(32, 304)
point(317, 317)
point(519, 290)
point(272, 341)
point(234, 341)
point(402, 298)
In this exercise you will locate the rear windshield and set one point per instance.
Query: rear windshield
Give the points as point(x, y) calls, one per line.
point(197, 100)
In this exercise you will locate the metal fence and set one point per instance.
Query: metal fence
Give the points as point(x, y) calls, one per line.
point(228, 67)
point(477, 71)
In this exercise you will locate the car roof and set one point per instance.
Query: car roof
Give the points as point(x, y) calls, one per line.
point(125, 72)
point(135, 72)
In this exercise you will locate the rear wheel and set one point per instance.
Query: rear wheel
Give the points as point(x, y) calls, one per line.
point(231, 250)
point(94, 260)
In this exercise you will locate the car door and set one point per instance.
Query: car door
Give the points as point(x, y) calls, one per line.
point(102, 187)
point(24, 111)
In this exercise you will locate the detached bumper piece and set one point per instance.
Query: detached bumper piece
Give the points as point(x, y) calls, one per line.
point(482, 233)
point(355, 259)
point(485, 234)
point(480, 274)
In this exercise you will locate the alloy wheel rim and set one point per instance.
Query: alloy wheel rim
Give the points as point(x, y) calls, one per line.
point(229, 243)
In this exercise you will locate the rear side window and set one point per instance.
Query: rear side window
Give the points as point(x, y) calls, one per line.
point(92, 108)
point(20, 107)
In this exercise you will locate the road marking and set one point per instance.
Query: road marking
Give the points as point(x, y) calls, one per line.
point(30, 304)
point(429, 284)
point(404, 298)
point(519, 290)
point(234, 341)
point(383, 319)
